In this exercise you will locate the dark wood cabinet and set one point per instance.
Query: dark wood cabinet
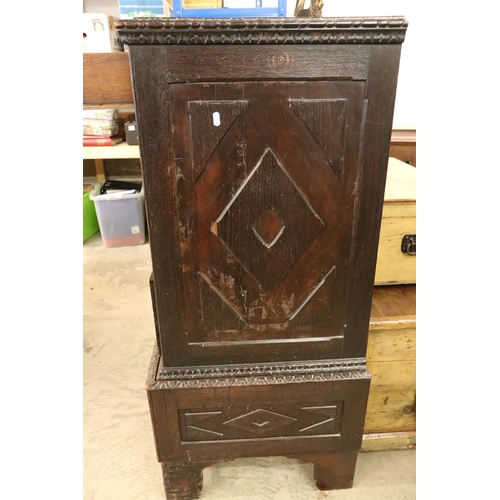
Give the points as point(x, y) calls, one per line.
point(264, 147)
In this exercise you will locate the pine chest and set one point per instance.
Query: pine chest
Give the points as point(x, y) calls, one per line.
point(396, 260)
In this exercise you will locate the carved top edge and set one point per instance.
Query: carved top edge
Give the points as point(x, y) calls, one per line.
point(213, 31)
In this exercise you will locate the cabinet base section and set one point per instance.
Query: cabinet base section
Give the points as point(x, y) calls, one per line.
point(314, 417)
point(184, 480)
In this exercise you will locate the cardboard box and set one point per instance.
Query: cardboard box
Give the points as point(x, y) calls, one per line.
point(99, 34)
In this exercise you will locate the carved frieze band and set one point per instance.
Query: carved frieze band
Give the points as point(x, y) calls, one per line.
point(347, 369)
point(264, 369)
point(266, 380)
point(168, 31)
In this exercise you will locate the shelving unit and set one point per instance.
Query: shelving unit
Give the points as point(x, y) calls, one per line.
point(107, 84)
point(119, 152)
point(179, 8)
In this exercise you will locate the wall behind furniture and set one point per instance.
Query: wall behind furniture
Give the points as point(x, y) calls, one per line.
point(406, 98)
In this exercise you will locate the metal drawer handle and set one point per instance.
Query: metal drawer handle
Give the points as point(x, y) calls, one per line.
point(409, 244)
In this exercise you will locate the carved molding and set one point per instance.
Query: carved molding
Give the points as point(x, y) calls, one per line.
point(262, 374)
point(266, 380)
point(264, 369)
point(174, 31)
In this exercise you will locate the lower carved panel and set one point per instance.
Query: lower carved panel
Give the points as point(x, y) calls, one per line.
point(260, 422)
point(226, 415)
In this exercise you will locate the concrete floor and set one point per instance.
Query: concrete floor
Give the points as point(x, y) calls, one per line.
point(119, 454)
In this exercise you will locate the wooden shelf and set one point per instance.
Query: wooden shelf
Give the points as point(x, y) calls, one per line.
point(120, 151)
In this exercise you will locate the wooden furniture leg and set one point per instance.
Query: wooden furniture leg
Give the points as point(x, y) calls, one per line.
point(182, 481)
point(334, 471)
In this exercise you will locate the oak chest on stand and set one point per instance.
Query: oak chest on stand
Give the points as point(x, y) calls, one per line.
point(264, 148)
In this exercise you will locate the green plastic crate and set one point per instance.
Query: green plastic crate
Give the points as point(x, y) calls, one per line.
point(90, 222)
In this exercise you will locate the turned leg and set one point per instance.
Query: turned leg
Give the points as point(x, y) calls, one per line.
point(182, 481)
point(334, 471)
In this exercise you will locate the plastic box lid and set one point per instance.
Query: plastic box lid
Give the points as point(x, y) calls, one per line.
point(96, 196)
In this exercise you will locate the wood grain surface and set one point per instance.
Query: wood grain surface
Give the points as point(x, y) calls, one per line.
point(391, 360)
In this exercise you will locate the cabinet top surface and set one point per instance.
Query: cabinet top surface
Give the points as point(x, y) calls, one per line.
point(242, 31)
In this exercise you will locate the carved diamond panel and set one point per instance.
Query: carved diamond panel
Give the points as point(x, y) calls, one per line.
point(268, 224)
point(267, 175)
point(268, 227)
point(262, 422)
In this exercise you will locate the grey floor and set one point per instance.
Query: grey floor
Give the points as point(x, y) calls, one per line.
point(119, 453)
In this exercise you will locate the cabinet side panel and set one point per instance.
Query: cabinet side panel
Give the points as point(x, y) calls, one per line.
point(381, 93)
point(160, 179)
point(268, 195)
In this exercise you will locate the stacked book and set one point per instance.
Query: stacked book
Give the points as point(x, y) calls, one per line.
point(100, 127)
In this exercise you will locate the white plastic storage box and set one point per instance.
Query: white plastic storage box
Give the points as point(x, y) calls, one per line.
point(121, 217)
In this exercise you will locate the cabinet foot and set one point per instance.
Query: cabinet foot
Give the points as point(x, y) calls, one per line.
point(182, 481)
point(334, 471)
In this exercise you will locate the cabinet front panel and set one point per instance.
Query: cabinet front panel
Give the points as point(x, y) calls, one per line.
point(260, 421)
point(266, 178)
